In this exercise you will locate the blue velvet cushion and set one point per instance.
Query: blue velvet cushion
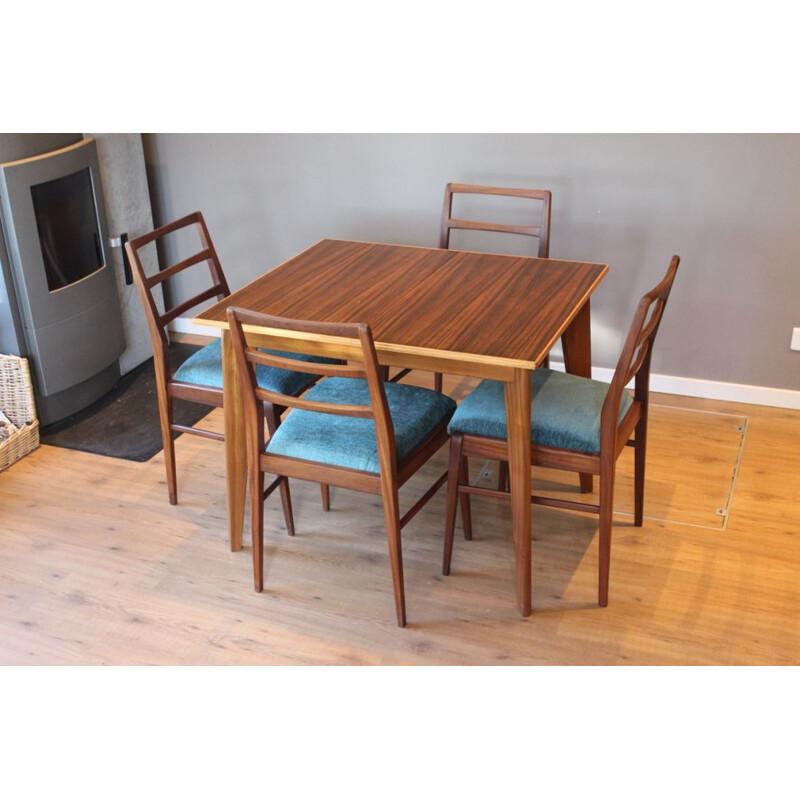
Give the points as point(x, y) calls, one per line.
point(350, 441)
point(565, 411)
point(205, 367)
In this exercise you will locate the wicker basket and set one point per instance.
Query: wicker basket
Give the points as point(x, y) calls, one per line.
point(16, 402)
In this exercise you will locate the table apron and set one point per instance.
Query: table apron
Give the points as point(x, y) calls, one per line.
point(388, 355)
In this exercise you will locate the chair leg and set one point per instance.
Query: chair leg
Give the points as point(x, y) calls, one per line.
point(286, 502)
point(326, 496)
point(466, 510)
point(640, 450)
point(437, 381)
point(606, 522)
point(165, 411)
point(502, 476)
point(391, 512)
point(273, 420)
point(454, 473)
point(169, 462)
point(257, 525)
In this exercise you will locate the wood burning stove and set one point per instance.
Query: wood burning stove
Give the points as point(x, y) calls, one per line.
point(60, 305)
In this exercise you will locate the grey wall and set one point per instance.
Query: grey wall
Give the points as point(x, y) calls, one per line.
point(727, 204)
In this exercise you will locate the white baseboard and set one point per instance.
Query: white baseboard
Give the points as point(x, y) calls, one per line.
point(668, 384)
point(710, 390)
point(184, 325)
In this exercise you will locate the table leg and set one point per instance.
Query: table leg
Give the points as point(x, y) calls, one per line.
point(518, 415)
point(577, 344)
point(235, 443)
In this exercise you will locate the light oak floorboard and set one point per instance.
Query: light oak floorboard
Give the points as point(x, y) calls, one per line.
point(97, 568)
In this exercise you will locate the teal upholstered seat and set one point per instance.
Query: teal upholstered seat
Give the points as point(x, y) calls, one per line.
point(350, 441)
point(565, 411)
point(205, 367)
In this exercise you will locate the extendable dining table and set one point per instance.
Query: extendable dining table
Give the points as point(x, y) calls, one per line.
point(480, 315)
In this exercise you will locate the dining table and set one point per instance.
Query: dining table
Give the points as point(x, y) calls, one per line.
point(465, 313)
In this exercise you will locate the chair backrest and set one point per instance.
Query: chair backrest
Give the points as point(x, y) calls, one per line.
point(248, 358)
point(157, 322)
point(634, 361)
point(541, 228)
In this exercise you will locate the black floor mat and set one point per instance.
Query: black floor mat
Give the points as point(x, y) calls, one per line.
point(124, 423)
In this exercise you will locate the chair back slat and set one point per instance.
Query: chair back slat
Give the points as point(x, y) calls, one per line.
point(165, 274)
point(640, 355)
point(497, 227)
point(644, 340)
point(215, 292)
point(540, 230)
point(634, 361)
point(339, 409)
point(309, 367)
point(170, 227)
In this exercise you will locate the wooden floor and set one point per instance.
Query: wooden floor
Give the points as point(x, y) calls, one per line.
point(97, 568)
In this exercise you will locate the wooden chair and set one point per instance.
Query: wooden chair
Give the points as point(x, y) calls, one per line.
point(350, 430)
point(199, 378)
point(578, 424)
point(539, 229)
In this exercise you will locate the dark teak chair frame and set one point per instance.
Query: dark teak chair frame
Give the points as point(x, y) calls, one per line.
point(363, 365)
point(633, 364)
point(157, 322)
point(168, 389)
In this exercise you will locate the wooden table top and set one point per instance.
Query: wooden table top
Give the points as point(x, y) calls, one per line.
point(482, 305)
